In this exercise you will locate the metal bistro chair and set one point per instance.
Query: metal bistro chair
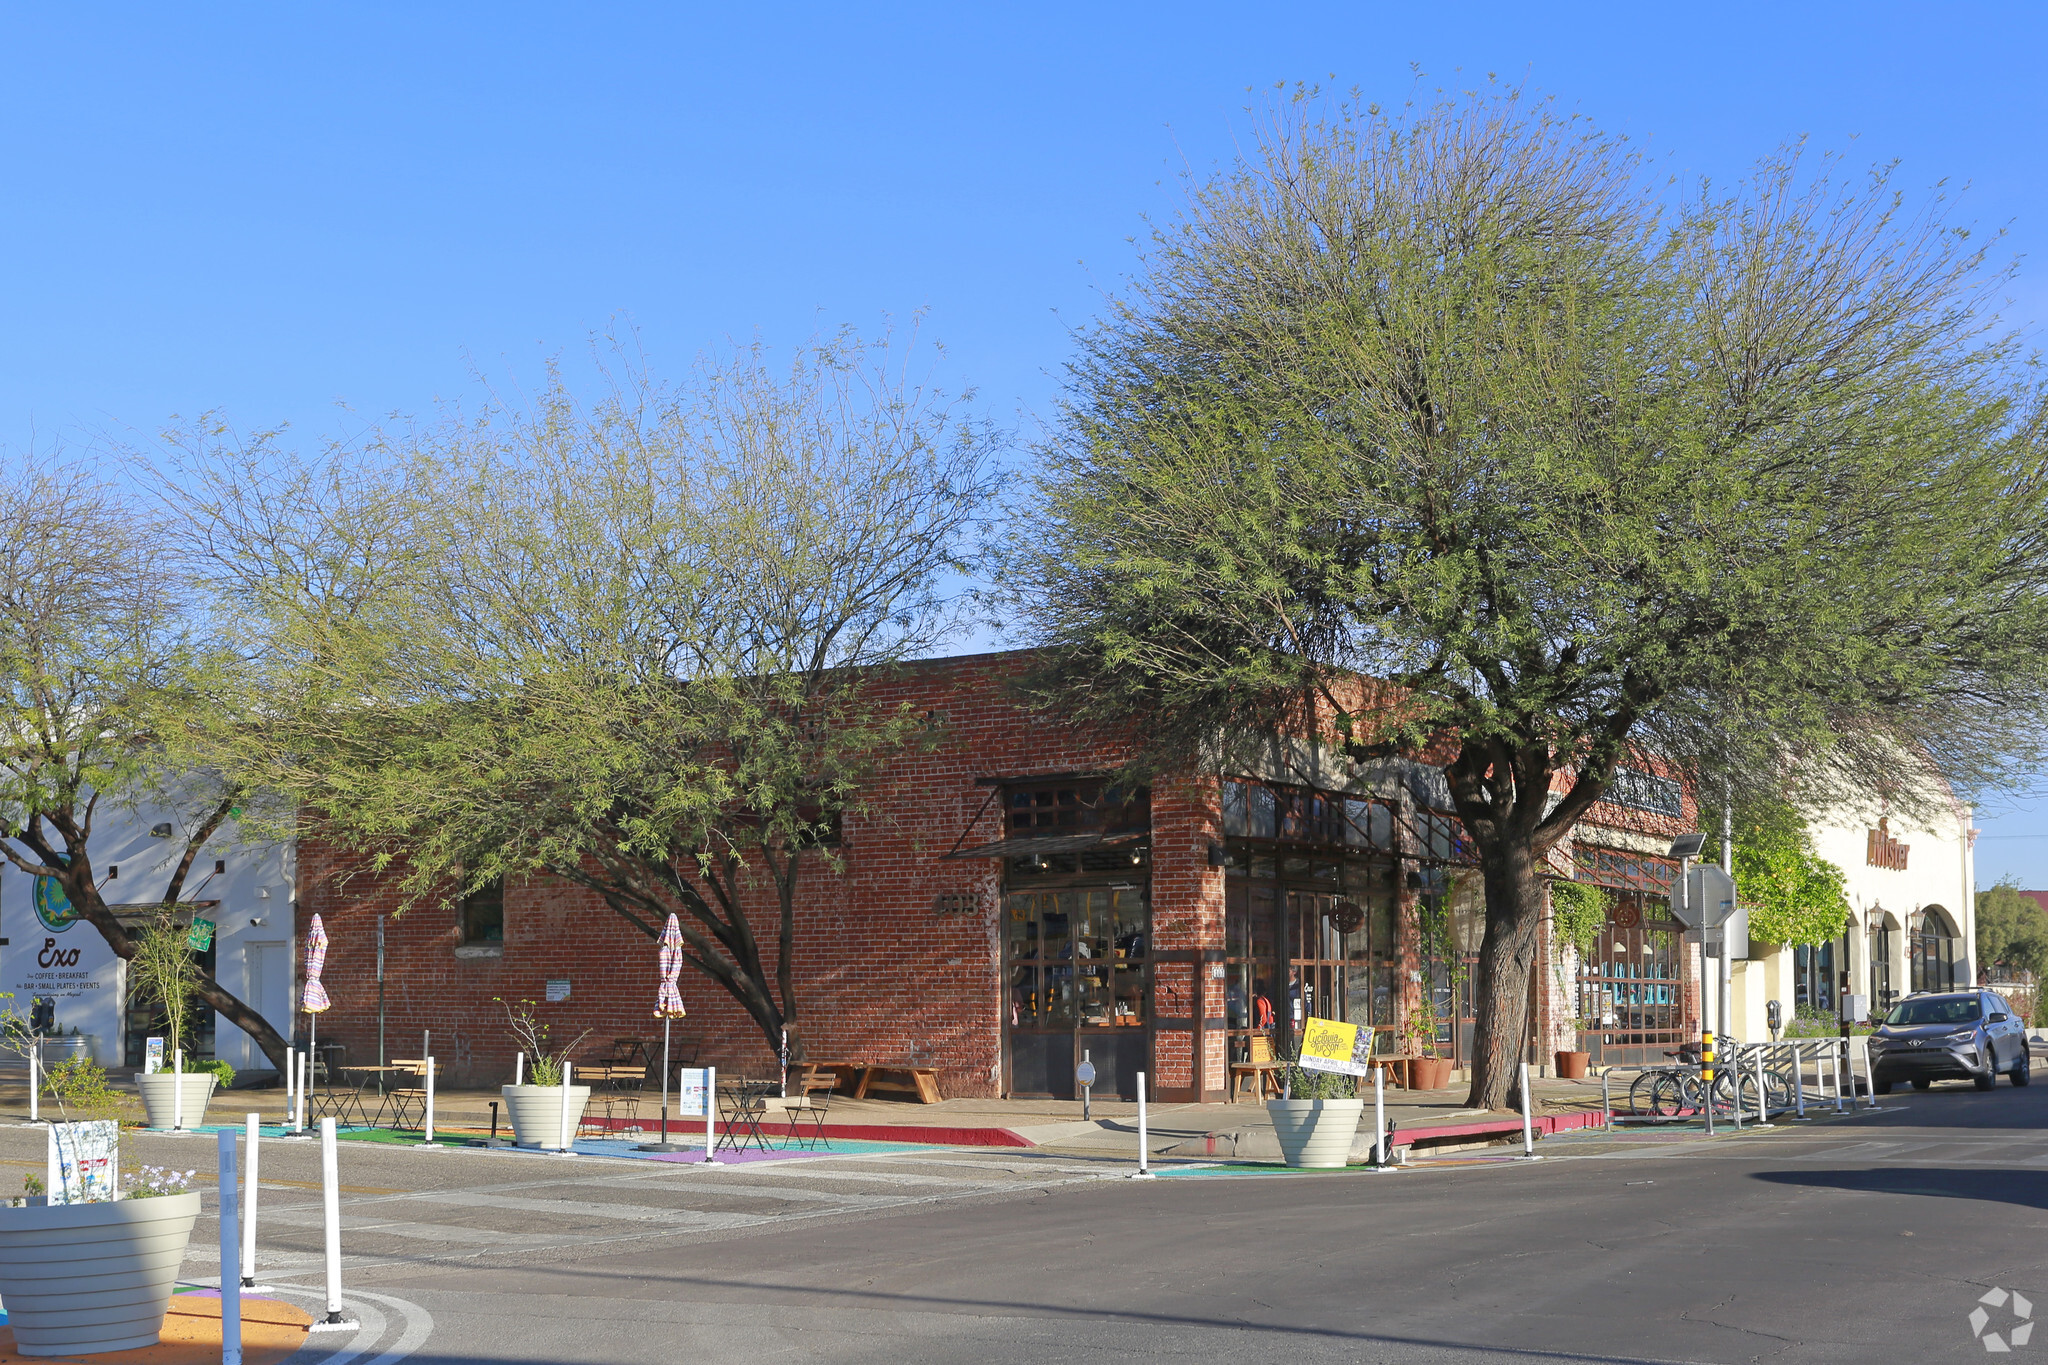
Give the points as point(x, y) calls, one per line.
point(812, 1107)
point(408, 1099)
point(614, 1088)
point(741, 1108)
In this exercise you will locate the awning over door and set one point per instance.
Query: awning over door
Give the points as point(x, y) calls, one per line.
point(1046, 844)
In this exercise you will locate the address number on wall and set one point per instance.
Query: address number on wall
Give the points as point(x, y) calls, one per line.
point(956, 903)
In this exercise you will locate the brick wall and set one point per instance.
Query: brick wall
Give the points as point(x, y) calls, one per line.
point(880, 973)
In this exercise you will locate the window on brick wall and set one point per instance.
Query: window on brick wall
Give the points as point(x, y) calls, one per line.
point(483, 914)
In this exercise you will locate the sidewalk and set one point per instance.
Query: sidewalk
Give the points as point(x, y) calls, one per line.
point(1423, 1121)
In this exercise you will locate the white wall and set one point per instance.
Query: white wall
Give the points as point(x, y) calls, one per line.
point(89, 993)
point(1940, 870)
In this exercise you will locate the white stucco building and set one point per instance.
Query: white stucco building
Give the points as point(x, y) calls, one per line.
point(245, 888)
point(1911, 884)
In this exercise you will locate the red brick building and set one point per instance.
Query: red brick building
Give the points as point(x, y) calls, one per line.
point(1001, 910)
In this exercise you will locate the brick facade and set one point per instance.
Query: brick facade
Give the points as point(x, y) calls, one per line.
point(898, 953)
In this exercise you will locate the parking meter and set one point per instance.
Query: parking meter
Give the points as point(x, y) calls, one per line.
point(1085, 1074)
point(1774, 1016)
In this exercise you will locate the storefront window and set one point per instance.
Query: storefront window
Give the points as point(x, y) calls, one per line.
point(1933, 946)
point(1813, 977)
point(1631, 988)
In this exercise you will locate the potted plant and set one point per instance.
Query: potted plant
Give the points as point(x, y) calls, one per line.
point(93, 1276)
point(535, 1107)
point(162, 974)
point(1425, 1070)
point(1578, 912)
point(1318, 1120)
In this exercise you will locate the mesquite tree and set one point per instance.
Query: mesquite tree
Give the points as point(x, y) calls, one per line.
point(108, 687)
point(1457, 398)
point(642, 644)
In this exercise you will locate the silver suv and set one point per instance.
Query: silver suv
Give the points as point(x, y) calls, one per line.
point(1953, 1035)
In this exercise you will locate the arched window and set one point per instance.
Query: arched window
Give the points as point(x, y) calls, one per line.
point(1932, 949)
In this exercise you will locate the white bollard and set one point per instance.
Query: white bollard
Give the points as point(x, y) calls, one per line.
point(1379, 1114)
point(430, 1106)
point(1528, 1135)
point(291, 1089)
point(566, 1069)
point(330, 1204)
point(230, 1253)
point(1143, 1172)
point(519, 1069)
point(1835, 1071)
point(35, 1080)
point(711, 1117)
point(1798, 1083)
point(249, 1177)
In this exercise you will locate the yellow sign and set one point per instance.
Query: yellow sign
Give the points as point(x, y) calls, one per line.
point(1327, 1045)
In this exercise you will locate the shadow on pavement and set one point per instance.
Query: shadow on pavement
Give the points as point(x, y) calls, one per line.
point(2029, 1189)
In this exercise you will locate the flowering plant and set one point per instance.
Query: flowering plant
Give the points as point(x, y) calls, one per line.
point(152, 1181)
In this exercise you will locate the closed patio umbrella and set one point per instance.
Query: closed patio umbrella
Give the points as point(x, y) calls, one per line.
point(313, 999)
point(668, 1007)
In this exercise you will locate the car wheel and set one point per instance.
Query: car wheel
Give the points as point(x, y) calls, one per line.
point(1923, 1085)
point(2021, 1070)
point(1986, 1081)
point(1881, 1087)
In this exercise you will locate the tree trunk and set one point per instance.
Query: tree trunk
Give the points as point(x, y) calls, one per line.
point(1507, 956)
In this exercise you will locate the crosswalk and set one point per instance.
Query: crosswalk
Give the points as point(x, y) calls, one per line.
point(528, 1207)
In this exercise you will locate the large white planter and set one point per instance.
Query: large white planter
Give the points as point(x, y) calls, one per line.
point(158, 1090)
point(536, 1112)
point(1315, 1132)
point(78, 1278)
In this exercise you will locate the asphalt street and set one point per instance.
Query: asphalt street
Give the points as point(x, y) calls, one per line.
point(1867, 1239)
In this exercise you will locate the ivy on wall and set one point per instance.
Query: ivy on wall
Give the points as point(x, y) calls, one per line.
point(1794, 895)
point(1578, 912)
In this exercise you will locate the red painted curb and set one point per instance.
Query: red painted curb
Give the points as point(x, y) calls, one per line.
point(853, 1132)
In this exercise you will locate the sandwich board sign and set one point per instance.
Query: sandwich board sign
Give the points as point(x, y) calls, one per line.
point(690, 1087)
point(1327, 1045)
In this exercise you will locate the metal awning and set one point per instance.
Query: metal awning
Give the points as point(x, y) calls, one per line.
point(1050, 843)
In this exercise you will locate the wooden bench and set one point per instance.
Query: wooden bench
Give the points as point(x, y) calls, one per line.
point(844, 1076)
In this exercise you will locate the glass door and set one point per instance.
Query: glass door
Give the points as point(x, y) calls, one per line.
point(1078, 965)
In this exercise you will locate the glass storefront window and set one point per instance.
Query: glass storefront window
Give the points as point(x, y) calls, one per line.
point(1077, 957)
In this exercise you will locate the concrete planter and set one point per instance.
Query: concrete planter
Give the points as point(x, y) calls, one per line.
point(536, 1113)
point(1315, 1132)
point(79, 1278)
point(158, 1091)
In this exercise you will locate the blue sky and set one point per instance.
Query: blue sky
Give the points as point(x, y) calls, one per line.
point(272, 211)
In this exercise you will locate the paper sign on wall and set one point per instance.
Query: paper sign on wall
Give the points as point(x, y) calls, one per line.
point(1327, 1045)
point(558, 990)
point(84, 1162)
point(690, 1090)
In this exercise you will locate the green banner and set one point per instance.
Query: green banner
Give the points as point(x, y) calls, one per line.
point(201, 937)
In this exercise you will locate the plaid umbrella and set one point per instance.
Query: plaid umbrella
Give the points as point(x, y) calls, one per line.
point(669, 1004)
point(314, 998)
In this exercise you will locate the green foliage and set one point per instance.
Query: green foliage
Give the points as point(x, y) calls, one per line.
point(545, 1063)
point(1578, 913)
point(164, 975)
point(79, 1085)
point(1793, 894)
point(2012, 931)
point(1809, 1022)
point(1307, 1083)
point(644, 645)
point(1459, 399)
point(223, 1074)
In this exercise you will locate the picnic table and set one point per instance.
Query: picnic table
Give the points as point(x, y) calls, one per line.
point(862, 1077)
